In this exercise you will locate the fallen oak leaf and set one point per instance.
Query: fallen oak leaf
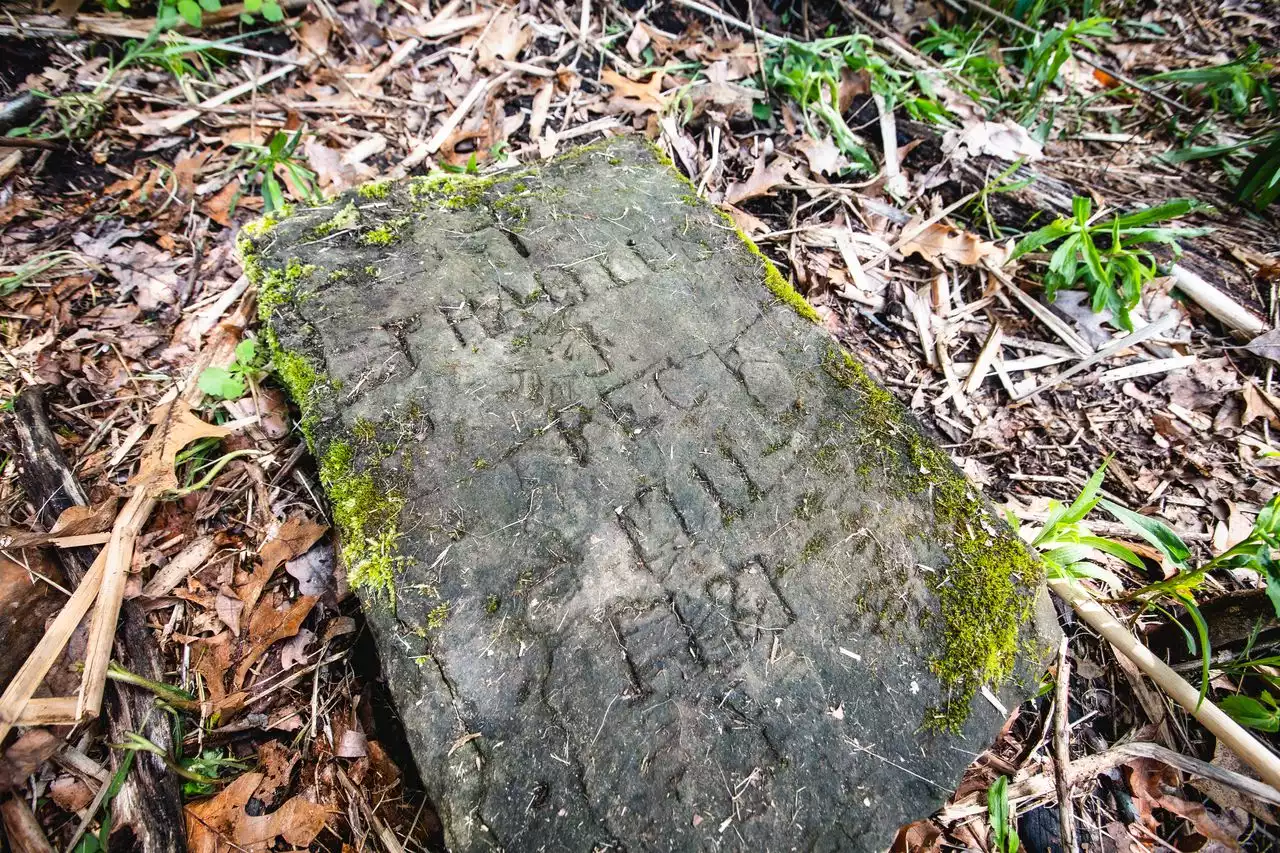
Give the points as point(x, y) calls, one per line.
point(267, 625)
point(176, 427)
point(1155, 785)
point(221, 823)
point(823, 155)
point(937, 241)
point(1259, 404)
point(633, 96)
point(1266, 345)
point(760, 182)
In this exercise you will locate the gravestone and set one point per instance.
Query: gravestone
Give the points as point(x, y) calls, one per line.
point(652, 563)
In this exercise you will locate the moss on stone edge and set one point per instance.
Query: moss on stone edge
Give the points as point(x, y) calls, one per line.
point(385, 234)
point(277, 287)
point(374, 190)
point(367, 517)
point(346, 218)
point(985, 593)
point(773, 278)
point(449, 191)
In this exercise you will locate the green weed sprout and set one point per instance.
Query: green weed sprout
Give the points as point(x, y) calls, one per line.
point(1108, 259)
point(1003, 818)
point(263, 161)
point(1053, 48)
point(172, 13)
point(228, 383)
point(1231, 86)
point(809, 73)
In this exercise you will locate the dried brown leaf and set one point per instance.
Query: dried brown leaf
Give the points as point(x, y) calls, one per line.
point(27, 753)
point(1259, 404)
point(632, 96)
point(177, 427)
point(760, 182)
point(937, 242)
point(221, 824)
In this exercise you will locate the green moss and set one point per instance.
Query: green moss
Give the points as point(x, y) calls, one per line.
point(344, 219)
point(985, 593)
point(364, 429)
point(277, 287)
point(372, 271)
point(367, 517)
point(374, 190)
point(268, 221)
point(815, 546)
point(492, 603)
point(437, 616)
point(447, 191)
point(339, 275)
point(385, 234)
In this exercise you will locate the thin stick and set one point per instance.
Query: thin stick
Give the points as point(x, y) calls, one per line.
point(1159, 327)
point(477, 92)
point(1230, 313)
point(1062, 750)
point(1227, 730)
point(726, 18)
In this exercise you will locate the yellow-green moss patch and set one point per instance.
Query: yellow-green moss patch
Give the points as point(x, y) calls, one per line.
point(367, 517)
point(385, 234)
point(348, 217)
point(277, 287)
point(374, 190)
point(986, 590)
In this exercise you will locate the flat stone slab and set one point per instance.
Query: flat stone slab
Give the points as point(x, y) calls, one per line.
point(651, 562)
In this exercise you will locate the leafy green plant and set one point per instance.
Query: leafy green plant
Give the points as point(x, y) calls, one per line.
point(1003, 818)
point(172, 13)
point(809, 73)
point(205, 770)
point(1050, 50)
point(969, 53)
point(1237, 87)
point(1069, 548)
point(229, 383)
point(75, 115)
point(1262, 714)
point(263, 161)
point(1259, 184)
point(1109, 259)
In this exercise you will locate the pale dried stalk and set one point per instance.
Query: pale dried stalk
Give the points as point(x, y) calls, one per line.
point(102, 630)
point(1062, 750)
point(1230, 313)
point(14, 700)
point(1209, 715)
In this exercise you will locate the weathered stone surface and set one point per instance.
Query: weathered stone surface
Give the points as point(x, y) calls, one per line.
point(652, 564)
